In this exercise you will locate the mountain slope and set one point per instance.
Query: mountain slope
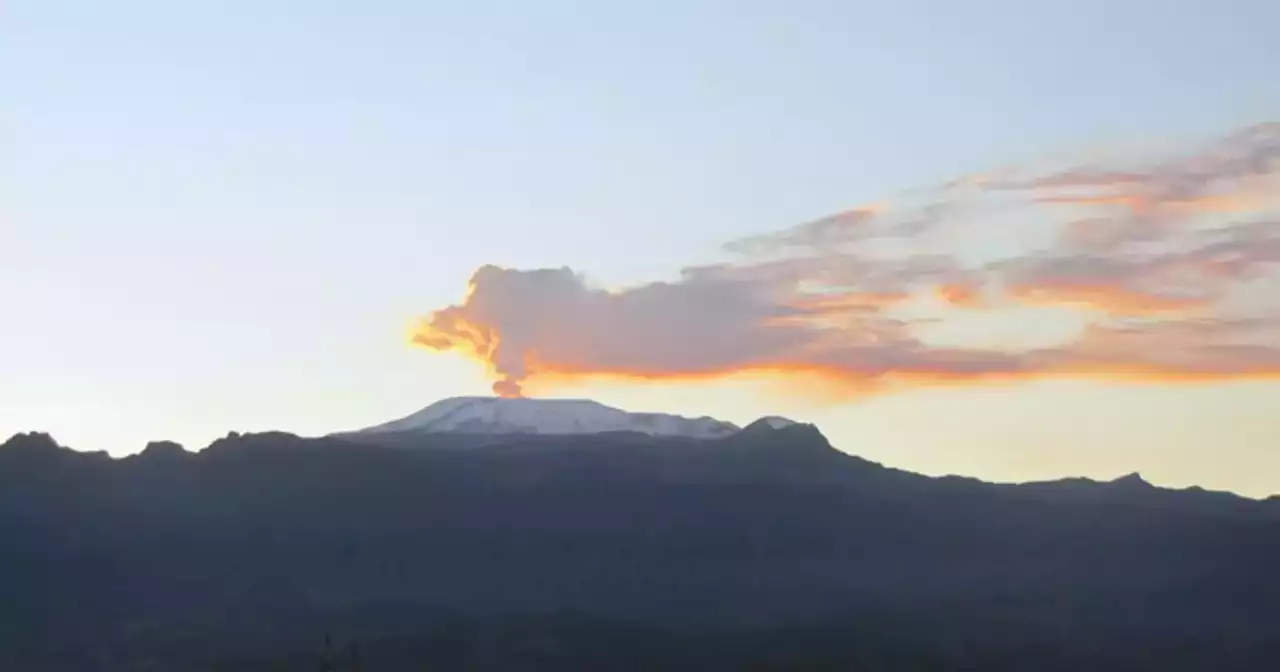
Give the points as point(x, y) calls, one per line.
point(498, 415)
point(262, 541)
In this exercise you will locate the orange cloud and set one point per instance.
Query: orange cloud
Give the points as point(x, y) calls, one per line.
point(1166, 267)
point(958, 294)
point(1115, 300)
point(1224, 203)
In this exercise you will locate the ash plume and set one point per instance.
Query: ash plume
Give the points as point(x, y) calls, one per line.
point(1167, 265)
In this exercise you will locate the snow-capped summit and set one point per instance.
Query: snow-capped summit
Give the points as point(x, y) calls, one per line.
point(777, 421)
point(499, 415)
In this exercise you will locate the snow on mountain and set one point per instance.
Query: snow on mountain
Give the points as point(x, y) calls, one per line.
point(777, 422)
point(498, 415)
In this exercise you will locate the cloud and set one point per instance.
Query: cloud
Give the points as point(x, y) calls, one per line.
point(1169, 264)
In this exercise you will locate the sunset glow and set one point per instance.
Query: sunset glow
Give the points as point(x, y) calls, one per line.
point(1151, 272)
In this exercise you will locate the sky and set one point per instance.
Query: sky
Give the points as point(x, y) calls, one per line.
point(240, 216)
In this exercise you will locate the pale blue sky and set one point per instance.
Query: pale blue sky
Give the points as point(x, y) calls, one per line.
point(224, 215)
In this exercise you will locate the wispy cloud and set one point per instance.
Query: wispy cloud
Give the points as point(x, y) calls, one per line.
point(1169, 261)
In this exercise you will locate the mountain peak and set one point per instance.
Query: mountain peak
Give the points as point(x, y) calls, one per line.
point(1134, 480)
point(503, 415)
point(770, 423)
point(162, 450)
point(775, 422)
point(771, 429)
point(30, 441)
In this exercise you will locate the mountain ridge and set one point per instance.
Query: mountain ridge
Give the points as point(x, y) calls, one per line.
point(502, 415)
point(258, 534)
point(36, 447)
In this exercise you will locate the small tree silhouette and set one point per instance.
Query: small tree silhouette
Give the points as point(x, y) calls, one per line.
point(355, 656)
point(326, 660)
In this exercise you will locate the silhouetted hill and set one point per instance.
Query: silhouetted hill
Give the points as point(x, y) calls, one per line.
point(605, 551)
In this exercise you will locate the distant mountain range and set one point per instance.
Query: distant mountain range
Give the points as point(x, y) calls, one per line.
point(519, 534)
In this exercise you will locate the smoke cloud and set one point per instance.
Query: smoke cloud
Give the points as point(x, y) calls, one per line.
point(1167, 266)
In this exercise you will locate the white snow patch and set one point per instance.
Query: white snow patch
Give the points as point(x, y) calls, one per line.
point(777, 422)
point(497, 415)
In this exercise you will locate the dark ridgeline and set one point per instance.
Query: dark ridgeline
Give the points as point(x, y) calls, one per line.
point(765, 550)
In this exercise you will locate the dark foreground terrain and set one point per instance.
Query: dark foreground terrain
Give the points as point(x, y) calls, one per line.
point(766, 550)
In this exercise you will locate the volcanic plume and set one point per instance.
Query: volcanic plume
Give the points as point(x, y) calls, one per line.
point(1164, 266)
